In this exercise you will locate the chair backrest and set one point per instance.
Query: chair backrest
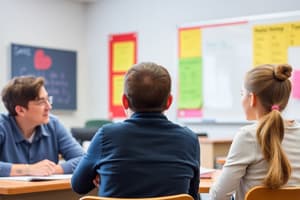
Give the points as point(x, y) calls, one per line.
point(171, 197)
point(83, 134)
point(96, 122)
point(202, 134)
point(264, 193)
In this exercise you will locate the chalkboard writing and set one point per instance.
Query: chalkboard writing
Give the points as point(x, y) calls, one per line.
point(58, 67)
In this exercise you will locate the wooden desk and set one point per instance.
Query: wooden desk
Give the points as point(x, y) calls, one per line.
point(220, 161)
point(212, 148)
point(206, 181)
point(55, 190)
point(39, 190)
point(205, 185)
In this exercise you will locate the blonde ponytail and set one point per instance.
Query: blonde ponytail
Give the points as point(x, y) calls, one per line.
point(270, 134)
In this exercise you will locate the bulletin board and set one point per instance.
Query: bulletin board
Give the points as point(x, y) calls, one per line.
point(122, 55)
point(214, 56)
point(58, 67)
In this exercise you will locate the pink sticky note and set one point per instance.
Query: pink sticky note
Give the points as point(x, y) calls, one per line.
point(190, 113)
point(296, 84)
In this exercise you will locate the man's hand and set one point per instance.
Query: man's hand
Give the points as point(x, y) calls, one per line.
point(42, 168)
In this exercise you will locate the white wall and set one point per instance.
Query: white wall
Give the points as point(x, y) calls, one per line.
point(85, 27)
point(48, 23)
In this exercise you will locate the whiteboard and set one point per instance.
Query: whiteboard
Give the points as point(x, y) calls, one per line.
point(227, 54)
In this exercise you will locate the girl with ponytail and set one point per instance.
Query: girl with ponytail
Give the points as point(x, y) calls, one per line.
point(266, 152)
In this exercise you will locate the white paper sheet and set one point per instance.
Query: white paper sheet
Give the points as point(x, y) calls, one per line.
point(37, 178)
point(204, 170)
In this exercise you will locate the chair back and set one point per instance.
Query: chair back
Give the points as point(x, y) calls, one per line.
point(264, 193)
point(97, 123)
point(83, 134)
point(171, 197)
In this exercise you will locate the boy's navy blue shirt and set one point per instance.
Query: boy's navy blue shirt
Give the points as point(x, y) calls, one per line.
point(145, 156)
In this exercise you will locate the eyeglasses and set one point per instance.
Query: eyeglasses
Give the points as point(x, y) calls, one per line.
point(44, 101)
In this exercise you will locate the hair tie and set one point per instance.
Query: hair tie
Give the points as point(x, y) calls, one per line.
point(275, 107)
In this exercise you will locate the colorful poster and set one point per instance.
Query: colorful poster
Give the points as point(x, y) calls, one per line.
point(190, 92)
point(122, 55)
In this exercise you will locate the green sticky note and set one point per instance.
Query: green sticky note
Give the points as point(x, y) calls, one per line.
point(190, 83)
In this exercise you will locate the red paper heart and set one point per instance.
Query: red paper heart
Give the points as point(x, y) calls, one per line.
point(41, 60)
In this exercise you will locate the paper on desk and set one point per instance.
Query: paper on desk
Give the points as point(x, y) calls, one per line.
point(37, 178)
point(206, 172)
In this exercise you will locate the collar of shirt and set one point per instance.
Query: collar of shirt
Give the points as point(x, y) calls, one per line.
point(148, 115)
point(18, 135)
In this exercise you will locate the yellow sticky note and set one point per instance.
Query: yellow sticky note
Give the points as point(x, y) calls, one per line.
point(270, 43)
point(123, 56)
point(294, 34)
point(117, 90)
point(278, 43)
point(190, 43)
point(261, 44)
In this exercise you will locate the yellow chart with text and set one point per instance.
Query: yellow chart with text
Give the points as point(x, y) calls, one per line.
point(123, 56)
point(271, 42)
point(117, 89)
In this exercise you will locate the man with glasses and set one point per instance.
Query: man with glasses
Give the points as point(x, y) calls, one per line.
point(30, 138)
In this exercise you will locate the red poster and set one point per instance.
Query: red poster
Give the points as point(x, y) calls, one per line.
point(122, 55)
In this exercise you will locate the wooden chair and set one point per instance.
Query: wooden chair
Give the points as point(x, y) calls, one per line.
point(264, 193)
point(171, 197)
